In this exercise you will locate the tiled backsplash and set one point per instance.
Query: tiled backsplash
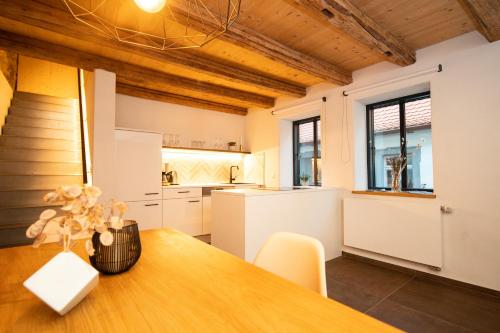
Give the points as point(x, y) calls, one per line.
point(253, 168)
point(201, 168)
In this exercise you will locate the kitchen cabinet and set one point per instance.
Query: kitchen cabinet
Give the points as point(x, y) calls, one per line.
point(137, 176)
point(181, 192)
point(183, 214)
point(207, 215)
point(207, 203)
point(138, 165)
point(147, 214)
point(188, 208)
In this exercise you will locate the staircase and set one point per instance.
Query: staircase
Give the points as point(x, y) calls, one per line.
point(40, 149)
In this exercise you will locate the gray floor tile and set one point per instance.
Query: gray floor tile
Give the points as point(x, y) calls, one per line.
point(459, 306)
point(412, 303)
point(411, 320)
point(356, 298)
point(364, 278)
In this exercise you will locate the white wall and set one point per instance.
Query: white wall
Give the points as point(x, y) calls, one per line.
point(264, 137)
point(190, 123)
point(271, 135)
point(465, 99)
point(51, 79)
point(286, 152)
point(103, 154)
point(466, 142)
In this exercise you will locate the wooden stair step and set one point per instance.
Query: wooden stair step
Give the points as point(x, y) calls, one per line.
point(44, 106)
point(40, 150)
point(8, 182)
point(33, 205)
point(13, 215)
point(14, 236)
point(9, 198)
point(15, 120)
point(14, 221)
point(14, 168)
point(34, 132)
point(39, 143)
point(44, 98)
point(12, 224)
point(41, 114)
point(39, 155)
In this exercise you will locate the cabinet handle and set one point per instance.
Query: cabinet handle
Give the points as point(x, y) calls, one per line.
point(151, 193)
point(149, 205)
point(194, 201)
point(183, 191)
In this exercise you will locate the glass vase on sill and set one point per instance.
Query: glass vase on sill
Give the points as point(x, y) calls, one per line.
point(396, 183)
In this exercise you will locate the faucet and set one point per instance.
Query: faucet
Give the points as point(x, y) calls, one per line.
point(231, 178)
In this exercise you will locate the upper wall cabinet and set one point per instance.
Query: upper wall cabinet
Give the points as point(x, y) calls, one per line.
point(138, 165)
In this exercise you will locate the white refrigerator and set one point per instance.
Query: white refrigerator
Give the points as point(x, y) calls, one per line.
point(138, 176)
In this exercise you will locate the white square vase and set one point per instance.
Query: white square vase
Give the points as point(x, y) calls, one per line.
point(63, 282)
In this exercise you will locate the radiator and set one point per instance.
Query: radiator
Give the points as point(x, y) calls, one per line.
point(406, 229)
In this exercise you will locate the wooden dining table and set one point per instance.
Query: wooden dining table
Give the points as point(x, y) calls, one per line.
point(179, 284)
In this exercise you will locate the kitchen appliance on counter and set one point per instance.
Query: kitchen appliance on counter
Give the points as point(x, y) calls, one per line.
point(171, 177)
point(168, 177)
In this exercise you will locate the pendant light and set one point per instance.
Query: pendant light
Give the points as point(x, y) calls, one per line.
point(150, 6)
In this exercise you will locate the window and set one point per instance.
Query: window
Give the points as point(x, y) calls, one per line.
point(307, 152)
point(400, 126)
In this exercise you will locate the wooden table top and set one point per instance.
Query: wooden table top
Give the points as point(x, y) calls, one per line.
point(179, 284)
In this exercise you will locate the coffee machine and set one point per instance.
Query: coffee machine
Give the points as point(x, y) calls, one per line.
point(168, 177)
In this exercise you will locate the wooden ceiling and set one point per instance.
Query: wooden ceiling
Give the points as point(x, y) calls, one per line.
point(275, 48)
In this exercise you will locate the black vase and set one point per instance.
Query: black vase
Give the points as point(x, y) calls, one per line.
point(122, 254)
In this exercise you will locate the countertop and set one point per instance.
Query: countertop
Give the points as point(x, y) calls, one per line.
point(208, 185)
point(203, 290)
point(264, 191)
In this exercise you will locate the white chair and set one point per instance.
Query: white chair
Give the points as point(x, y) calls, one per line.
point(297, 258)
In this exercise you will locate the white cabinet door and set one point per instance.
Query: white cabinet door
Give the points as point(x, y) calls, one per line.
point(138, 165)
point(147, 214)
point(184, 215)
point(207, 215)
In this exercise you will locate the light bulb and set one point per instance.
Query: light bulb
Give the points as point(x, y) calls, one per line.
point(150, 6)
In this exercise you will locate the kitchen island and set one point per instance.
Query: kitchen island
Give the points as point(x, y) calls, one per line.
point(242, 219)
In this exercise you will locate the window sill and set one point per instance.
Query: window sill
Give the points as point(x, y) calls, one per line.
point(398, 194)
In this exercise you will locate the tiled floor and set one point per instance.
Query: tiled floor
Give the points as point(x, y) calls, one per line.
point(409, 302)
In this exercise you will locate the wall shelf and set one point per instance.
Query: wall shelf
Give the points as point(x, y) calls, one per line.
point(398, 194)
point(208, 150)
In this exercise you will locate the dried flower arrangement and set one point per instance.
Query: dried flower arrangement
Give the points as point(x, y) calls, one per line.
point(397, 164)
point(81, 217)
point(304, 179)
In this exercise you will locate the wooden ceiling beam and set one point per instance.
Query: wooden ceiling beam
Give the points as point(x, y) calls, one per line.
point(485, 14)
point(346, 17)
point(254, 41)
point(125, 89)
point(49, 15)
point(131, 74)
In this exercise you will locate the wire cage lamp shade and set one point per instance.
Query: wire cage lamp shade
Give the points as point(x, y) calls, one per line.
point(157, 24)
